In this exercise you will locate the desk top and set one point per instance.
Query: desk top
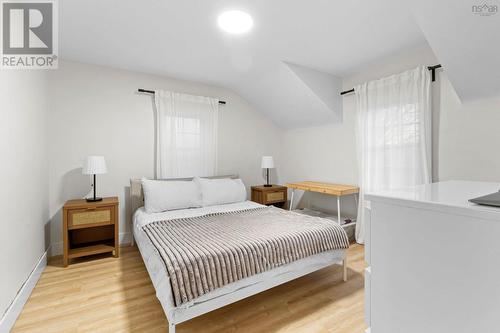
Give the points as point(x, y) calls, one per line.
point(326, 188)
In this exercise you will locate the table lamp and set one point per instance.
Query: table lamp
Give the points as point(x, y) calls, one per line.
point(94, 165)
point(267, 163)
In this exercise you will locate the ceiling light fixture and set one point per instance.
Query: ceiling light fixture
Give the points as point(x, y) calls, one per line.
point(235, 21)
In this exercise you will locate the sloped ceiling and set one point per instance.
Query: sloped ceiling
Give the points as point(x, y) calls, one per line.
point(289, 67)
point(466, 41)
point(296, 96)
point(326, 87)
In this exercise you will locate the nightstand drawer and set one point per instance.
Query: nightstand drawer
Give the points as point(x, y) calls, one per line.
point(275, 196)
point(90, 216)
point(270, 195)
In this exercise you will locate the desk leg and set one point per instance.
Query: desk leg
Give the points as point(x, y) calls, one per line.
point(338, 210)
point(291, 200)
point(344, 269)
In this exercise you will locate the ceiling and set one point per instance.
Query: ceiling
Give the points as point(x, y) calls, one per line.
point(466, 42)
point(289, 67)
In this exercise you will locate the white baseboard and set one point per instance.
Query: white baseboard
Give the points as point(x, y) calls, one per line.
point(56, 249)
point(125, 238)
point(9, 318)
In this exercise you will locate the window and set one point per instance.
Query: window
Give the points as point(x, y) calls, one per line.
point(394, 134)
point(186, 135)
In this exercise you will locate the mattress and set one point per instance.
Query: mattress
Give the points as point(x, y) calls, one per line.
point(160, 278)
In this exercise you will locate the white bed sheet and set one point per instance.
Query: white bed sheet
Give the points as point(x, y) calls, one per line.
point(158, 273)
point(141, 218)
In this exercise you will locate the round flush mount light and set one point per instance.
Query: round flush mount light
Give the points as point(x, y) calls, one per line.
point(235, 22)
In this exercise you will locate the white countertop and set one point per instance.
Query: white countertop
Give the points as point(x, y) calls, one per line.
point(449, 194)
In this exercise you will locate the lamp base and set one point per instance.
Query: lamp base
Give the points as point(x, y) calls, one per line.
point(93, 199)
point(268, 185)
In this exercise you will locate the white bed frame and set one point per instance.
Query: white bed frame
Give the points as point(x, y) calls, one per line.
point(177, 315)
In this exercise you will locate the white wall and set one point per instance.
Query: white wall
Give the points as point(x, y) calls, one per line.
point(96, 110)
point(469, 137)
point(23, 199)
point(465, 137)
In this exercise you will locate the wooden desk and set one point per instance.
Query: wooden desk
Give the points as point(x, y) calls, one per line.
point(337, 190)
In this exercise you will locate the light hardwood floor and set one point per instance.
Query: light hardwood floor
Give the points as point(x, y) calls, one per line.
point(116, 295)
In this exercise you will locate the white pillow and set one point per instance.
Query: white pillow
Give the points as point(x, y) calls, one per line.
point(163, 195)
point(221, 191)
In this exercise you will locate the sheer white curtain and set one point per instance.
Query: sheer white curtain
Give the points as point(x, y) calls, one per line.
point(186, 135)
point(393, 134)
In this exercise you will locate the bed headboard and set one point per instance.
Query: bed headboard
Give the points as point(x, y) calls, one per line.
point(137, 196)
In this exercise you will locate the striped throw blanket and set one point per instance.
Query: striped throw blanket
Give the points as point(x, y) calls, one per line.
point(207, 252)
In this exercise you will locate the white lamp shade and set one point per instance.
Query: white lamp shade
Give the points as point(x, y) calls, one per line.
point(94, 165)
point(267, 162)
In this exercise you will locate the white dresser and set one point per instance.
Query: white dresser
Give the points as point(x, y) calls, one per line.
point(433, 260)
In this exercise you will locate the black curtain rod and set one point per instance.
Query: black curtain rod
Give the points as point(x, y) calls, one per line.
point(431, 68)
point(152, 92)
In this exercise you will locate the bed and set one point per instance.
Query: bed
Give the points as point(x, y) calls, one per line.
point(187, 293)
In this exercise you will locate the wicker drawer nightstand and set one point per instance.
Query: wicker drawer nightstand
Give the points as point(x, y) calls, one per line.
point(275, 195)
point(90, 228)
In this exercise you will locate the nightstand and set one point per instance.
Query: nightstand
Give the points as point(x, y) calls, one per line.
point(275, 195)
point(90, 228)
